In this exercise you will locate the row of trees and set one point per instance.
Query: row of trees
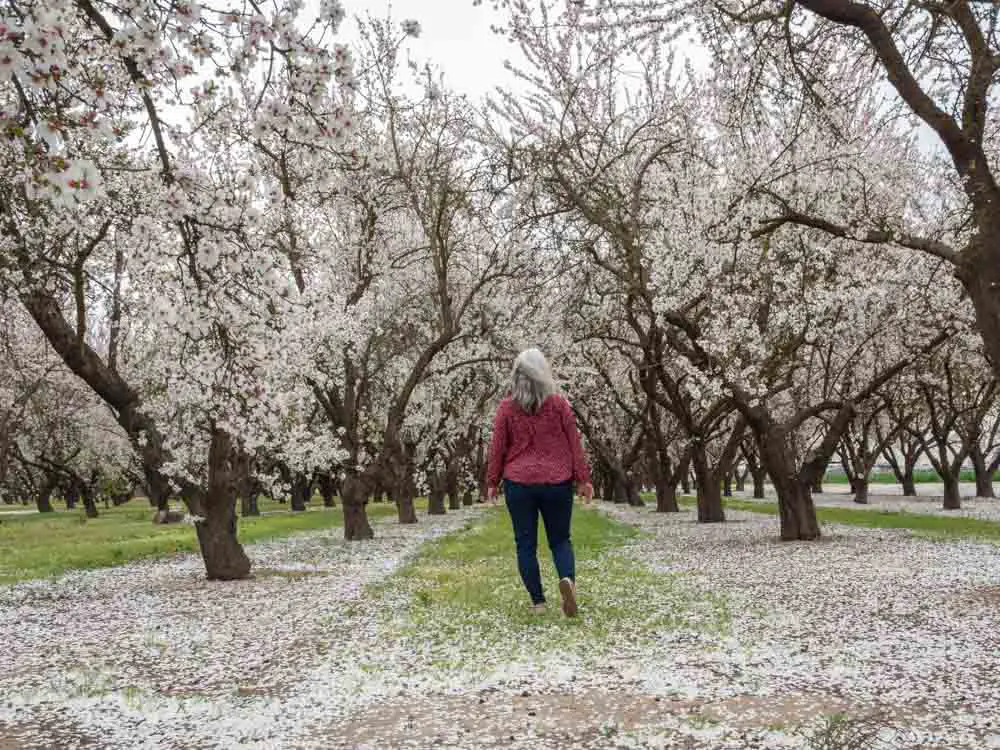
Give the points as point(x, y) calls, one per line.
point(255, 260)
point(767, 249)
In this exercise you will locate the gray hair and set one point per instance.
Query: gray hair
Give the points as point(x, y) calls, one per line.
point(531, 380)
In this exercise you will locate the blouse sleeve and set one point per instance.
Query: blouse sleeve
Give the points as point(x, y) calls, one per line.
point(498, 449)
point(581, 469)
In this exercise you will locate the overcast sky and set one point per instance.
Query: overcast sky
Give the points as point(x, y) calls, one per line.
point(455, 36)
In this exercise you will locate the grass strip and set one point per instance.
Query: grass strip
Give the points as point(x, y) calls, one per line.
point(461, 599)
point(50, 544)
point(922, 524)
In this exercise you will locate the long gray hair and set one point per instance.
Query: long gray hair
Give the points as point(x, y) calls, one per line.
point(531, 380)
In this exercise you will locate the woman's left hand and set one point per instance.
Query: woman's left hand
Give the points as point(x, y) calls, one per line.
point(586, 491)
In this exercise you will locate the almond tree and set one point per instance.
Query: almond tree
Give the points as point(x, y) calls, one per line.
point(754, 322)
point(941, 60)
point(105, 165)
point(959, 391)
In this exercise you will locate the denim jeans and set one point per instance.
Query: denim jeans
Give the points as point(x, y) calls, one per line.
point(555, 503)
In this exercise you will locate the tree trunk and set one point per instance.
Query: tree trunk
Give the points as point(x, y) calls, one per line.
point(354, 499)
point(248, 505)
point(796, 510)
point(404, 488)
point(759, 478)
point(89, 505)
point(979, 272)
point(327, 490)
point(72, 496)
point(468, 498)
point(709, 488)
point(909, 483)
point(435, 501)
point(952, 496)
point(405, 509)
point(859, 485)
point(984, 477)
point(741, 481)
point(301, 492)
point(632, 494)
point(666, 496)
point(43, 498)
point(454, 496)
point(816, 486)
point(795, 505)
point(727, 485)
point(221, 550)
point(608, 493)
point(194, 499)
point(619, 495)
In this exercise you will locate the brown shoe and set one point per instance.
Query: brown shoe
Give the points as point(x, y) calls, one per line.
point(568, 590)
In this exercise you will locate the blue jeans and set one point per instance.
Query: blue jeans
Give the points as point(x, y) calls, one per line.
point(555, 503)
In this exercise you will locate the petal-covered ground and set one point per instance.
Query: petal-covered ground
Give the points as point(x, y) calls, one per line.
point(691, 636)
point(883, 499)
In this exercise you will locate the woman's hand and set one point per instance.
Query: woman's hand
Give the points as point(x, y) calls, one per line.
point(586, 491)
point(491, 495)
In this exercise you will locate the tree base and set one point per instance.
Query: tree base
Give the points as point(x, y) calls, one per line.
point(221, 551)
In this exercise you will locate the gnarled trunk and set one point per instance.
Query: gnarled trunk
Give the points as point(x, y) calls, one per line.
point(354, 499)
point(759, 478)
point(405, 509)
point(89, 504)
point(632, 495)
point(43, 498)
point(435, 497)
point(709, 487)
point(454, 497)
point(909, 482)
point(741, 481)
point(72, 495)
point(666, 496)
point(952, 496)
point(327, 489)
point(984, 476)
point(221, 550)
point(795, 505)
point(796, 510)
point(979, 272)
point(816, 486)
point(248, 504)
point(301, 492)
point(859, 486)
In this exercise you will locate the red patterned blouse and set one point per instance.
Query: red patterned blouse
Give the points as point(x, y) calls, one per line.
point(542, 448)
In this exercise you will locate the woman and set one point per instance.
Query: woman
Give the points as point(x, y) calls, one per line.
point(536, 451)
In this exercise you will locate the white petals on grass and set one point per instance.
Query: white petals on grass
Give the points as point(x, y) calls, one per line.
point(715, 636)
point(150, 654)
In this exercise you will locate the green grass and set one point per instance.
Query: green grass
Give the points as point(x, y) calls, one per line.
point(923, 524)
point(43, 545)
point(463, 601)
point(920, 476)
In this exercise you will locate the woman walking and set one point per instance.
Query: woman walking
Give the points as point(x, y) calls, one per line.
point(536, 452)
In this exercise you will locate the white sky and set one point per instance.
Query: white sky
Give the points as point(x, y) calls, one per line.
point(455, 36)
